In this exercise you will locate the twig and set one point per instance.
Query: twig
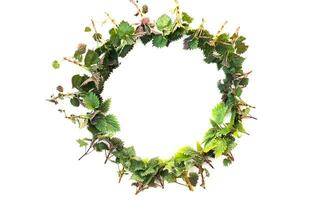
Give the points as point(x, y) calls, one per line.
point(111, 19)
point(181, 183)
point(137, 7)
point(86, 153)
point(188, 182)
point(221, 28)
point(75, 62)
point(251, 117)
point(108, 155)
point(121, 173)
point(209, 163)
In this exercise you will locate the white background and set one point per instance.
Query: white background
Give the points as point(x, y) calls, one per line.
point(163, 99)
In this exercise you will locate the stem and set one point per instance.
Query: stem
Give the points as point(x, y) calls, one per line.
point(137, 7)
point(200, 171)
point(76, 63)
point(108, 155)
point(111, 18)
point(122, 172)
point(180, 183)
point(221, 28)
point(209, 163)
point(90, 146)
point(188, 182)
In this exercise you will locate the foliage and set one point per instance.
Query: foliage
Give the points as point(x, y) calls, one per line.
point(188, 164)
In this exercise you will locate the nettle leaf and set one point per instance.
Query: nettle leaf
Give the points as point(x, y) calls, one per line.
point(176, 35)
point(100, 146)
point(219, 112)
point(236, 60)
point(226, 162)
point(55, 64)
point(108, 124)
point(125, 50)
point(184, 154)
point(75, 101)
point(244, 82)
point(209, 135)
point(187, 18)
point(77, 81)
point(164, 23)
point(97, 37)
point(193, 177)
point(218, 145)
point(160, 41)
point(190, 43)
point(208, 53)
point(146, 38)
point(136, 164)
point(105, 105)
point(199, 148)
point(87, 29)
point(82, 142)
point(124, 30)
point(170, 177)
point(91, 58)
point(220, 148)
point(91, 101)
point(114, 38)
point(240, 46)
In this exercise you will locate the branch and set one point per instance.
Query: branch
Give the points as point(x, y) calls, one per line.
point(137, 7)
point(86, 153)
point(75, 62)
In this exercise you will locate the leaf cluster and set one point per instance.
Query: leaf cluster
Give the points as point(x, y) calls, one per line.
point(188, 165)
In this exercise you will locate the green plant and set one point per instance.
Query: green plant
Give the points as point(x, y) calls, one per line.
point(188, 164)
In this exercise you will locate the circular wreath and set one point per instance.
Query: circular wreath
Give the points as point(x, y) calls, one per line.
point(189, 163)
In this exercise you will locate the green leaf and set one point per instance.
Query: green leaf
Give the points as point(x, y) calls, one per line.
point(209, 135)
point(91, 58)
point(108, 124)
point(170, 177)
point(219, 112)
point(224, 131)
point(218, 145)
point(125, 50)
point(199, 148)
point(244, 82)
point(185, 153)
point(77, 81)
point(187, 18)
point(164, 23)
point(220, 148)
point(100, 146)
point(136, 164)
point(124, 30)
point(240, 46)
point(190, 43)
point(82, 142)
point(55, 64)
point(236, 60)
point(144, 9)
point(75, 101)
point(97, 37)
point(136, 177)
point(146, 38)
point(87, 29)
point(91, 101)
point(106, 105)
point(208, 53)
point(159, 41)
point(193, 177)
point(226, 162)
point(239, 91)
